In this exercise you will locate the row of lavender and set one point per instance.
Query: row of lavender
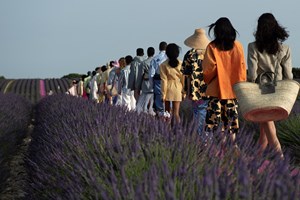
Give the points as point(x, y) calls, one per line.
point(83, 150)
point(15, 116)
point(34, 89)
point(57, 86)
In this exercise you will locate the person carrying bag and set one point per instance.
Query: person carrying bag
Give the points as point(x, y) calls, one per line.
point(267, 54)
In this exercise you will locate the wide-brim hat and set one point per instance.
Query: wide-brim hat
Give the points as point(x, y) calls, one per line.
point(198, 40)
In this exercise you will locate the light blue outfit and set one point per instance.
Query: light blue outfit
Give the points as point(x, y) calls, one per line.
point(199, 110)
point(127, 94)
point(113, 79)
point(155, 75)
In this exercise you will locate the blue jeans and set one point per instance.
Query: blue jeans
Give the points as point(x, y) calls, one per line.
point(157, 96)
point(199, 108)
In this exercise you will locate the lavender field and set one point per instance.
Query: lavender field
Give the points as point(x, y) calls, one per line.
point(34, 89)
point(83, 150)
point(15, 116)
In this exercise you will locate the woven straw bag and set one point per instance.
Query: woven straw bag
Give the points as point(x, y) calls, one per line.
point(112, 90)
point(266, 102)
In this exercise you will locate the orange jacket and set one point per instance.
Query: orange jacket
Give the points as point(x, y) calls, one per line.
point(222, 69)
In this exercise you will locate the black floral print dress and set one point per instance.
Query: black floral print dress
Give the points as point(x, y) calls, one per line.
point(192, 68)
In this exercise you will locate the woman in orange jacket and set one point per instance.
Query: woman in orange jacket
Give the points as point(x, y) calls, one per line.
point(223, 66)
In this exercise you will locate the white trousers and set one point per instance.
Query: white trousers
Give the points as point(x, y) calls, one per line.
point(144, 100)
point(128, 100)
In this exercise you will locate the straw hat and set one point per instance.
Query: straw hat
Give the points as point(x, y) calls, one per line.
point(198, 40)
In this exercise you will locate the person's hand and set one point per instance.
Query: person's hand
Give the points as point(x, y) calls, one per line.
point(183, 96)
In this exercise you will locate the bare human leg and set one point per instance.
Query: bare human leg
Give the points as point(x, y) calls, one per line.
point(268, 131)
point(176, 106)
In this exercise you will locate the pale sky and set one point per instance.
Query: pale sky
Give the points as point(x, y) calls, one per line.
point(52, 38)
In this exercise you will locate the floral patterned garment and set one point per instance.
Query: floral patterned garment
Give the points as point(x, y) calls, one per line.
point(192, 67)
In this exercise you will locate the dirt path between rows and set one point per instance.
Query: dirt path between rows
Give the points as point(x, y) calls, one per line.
point(17, 181)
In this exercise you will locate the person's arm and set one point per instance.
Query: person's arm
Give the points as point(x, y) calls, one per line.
point(139, 76)
point(110, 77)
point(252, 63)
point(164, 80)
point(80, 88)
point(187, 70)
point(286, 64)
point(182, 80)
point(99, 76)
point(243, 73)
point(186, 64)
point(152, 68)
point(209, 65)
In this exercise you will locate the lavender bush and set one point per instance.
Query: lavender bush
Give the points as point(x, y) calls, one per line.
point(15, 115)
point(296, 107)
point(288, 132)
point(82, 150)
point(289, 135)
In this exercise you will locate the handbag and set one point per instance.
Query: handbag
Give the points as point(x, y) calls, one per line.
point(113, 89)
point(268, 100)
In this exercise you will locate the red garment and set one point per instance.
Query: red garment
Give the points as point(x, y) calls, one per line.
point(84, 95)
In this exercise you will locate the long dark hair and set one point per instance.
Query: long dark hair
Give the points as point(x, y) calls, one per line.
point(172, 51)
point(269, 33)
point(224, 33)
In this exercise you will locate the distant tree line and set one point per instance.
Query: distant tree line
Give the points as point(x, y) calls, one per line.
point(73, 76)
point(296, 73)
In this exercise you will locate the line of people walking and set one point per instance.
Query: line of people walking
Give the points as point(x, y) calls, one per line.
point(156, 84)
point(131, 82)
